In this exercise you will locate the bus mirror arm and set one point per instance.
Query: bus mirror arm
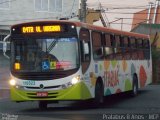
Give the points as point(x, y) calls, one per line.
point(5, 46)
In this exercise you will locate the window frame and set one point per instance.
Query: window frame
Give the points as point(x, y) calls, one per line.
point(140, 43)
point(146, 50)
point(2, 4)
point(48, 7)
point(111, 47)
point(132, 42)
point(125, 41)
point(119, 47)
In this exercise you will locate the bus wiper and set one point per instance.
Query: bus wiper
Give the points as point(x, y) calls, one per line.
point(51, 46)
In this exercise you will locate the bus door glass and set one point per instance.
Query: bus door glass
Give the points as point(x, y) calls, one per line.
point(85, 41)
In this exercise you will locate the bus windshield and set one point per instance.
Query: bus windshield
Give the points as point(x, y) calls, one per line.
point(47, 54)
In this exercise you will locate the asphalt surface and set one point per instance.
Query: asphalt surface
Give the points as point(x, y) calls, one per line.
point(145, 106)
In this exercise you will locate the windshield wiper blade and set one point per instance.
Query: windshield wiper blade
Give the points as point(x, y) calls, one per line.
point(52, 45)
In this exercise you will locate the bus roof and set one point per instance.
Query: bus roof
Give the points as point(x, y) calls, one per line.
point(92, 27)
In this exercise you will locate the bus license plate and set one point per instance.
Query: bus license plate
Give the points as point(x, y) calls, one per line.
point(42, 94)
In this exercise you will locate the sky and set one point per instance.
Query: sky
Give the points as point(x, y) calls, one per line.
point(117, 7)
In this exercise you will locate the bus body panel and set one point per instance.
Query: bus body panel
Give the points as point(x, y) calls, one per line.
point(77, 92)
point(27, 91)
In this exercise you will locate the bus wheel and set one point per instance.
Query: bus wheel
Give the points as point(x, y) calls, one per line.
point(42, 105)
point(134, 91)
point(99, 98)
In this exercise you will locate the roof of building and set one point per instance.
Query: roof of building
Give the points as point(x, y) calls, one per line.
point(147, 29)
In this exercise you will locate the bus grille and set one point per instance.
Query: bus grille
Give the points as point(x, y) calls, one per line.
point(48, 87)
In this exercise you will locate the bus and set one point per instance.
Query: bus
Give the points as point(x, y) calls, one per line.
point(65, 60)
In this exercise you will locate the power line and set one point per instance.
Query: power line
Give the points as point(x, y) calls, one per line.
point(132, 18)
point(129, 13)
point(116, 6)
point(124, 12)
point(128, 23)
point(123, 23)
point(104, 3)
point(142, 7)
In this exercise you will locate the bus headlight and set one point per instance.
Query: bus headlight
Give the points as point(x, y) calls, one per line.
point(75, 80)
point(12, 82)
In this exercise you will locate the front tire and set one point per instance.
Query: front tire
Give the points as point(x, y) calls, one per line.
point(99, 98)
point(134, 91)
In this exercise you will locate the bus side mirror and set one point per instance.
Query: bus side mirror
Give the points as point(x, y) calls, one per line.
point(84, 50)
point(5, 46)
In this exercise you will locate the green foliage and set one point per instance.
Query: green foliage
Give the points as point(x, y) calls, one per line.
point(155, 59)
point(155, 54)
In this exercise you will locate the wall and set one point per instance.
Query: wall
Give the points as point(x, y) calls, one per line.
point(141, 17)
point(24, 10)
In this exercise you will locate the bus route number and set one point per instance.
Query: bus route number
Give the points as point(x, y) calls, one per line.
point(29, 83)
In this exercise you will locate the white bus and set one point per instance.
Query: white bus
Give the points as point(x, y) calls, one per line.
point(63, 60)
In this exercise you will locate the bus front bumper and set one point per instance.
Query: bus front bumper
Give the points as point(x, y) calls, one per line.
point(76, 92)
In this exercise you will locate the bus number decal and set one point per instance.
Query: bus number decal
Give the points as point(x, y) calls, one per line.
point(28, 83)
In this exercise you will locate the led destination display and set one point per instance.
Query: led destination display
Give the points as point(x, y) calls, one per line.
point(41, 29)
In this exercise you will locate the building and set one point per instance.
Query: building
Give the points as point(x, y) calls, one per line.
point(93, 16)
point(148, 16)
point(148, 21)
point(18, 11)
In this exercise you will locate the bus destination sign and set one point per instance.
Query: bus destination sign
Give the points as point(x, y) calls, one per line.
point(41, 29)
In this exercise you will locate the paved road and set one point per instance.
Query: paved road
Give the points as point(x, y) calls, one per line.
point(147, 102)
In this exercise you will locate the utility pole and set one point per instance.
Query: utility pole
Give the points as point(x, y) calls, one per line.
point(83, 11)
point(121, 23)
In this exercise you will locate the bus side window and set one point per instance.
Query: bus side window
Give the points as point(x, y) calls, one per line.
point(133, 48)
point(127, 54)
point(108, 48)
point(146, 49)
point(119, 45)
point(97, 45)
point(140, 43)
point(140, 49)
